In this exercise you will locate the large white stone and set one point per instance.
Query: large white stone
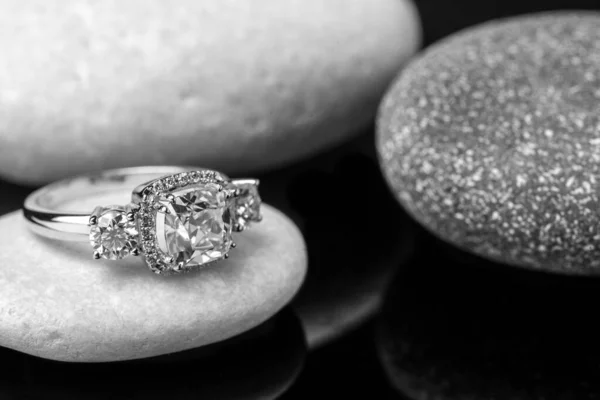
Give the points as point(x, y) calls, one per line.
point(234, 85)
point(59, 303)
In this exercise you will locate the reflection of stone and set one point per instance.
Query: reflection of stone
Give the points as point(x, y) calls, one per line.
point(472, 329)
point(490, 140)
point(259, 364)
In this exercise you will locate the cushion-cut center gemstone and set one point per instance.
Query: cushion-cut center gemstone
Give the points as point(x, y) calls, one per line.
point(194, 227)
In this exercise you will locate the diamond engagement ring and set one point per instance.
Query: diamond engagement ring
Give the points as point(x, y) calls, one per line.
point(178, 219)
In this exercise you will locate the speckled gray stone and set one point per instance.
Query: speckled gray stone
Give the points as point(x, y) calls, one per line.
point(491, 140)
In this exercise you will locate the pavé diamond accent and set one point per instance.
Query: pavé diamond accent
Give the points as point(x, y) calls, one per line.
point(193, 225)
point(113, 236)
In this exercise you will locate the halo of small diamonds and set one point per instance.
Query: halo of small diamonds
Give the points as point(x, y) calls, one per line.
point(156, 259)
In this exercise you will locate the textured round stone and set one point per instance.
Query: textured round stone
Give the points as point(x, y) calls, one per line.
point(491, 140)
point(59, 303)
point(113, 237)
point(220, 83)
point(194, 225)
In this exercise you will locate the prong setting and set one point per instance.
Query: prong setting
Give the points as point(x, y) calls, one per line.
point(113, 233)
point(158, 197)
point(246, 203)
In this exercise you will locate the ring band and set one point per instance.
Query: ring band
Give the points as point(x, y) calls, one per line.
point(178, 219)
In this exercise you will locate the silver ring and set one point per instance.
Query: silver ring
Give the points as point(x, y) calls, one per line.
point(178, 219)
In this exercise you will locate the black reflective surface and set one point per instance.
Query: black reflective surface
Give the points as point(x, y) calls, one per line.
point(11, 196)
point(441, 18)
point(355, 235)
point(454, 326)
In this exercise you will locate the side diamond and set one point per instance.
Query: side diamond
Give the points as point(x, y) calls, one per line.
point(246, 206)
point(113, 236)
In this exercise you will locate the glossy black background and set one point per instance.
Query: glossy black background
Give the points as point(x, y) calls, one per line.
point(451, 326)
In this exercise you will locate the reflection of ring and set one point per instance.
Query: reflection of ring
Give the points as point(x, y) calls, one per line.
point(177, 220)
